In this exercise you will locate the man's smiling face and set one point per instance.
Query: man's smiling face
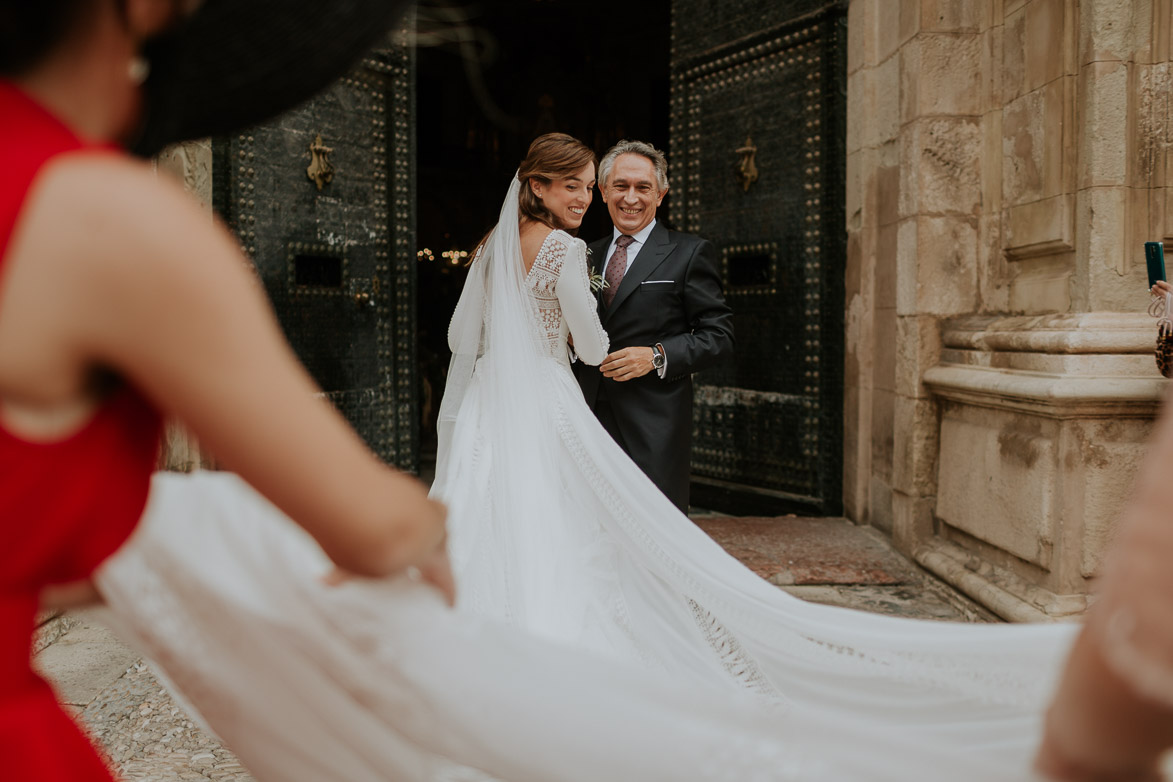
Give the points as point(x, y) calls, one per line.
point(631, 193)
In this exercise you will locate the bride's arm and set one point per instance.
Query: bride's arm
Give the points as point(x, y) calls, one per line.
point(579, 307)
point(142, 283)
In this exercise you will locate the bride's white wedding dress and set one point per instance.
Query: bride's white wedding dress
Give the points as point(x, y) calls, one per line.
point(714, 674)
point(556, 531)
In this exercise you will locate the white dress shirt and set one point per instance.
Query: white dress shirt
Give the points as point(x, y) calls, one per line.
point(632, 249)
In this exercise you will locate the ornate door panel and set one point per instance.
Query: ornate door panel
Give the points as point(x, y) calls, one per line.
point(322, 200)
point(757, 166)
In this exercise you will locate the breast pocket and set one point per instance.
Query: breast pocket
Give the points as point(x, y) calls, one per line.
point(658, 286)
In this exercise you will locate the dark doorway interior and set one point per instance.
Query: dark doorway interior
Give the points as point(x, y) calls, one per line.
point(491, 77)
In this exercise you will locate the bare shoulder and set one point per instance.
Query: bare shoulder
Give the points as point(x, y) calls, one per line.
point(120, 198)
point(104, 215)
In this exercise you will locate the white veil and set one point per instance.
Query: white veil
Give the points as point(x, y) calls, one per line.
point(494, 330)
point(494, 311)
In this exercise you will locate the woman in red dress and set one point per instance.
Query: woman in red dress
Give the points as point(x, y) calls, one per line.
point(120, 302)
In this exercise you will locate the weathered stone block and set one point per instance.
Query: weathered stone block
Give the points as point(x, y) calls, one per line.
point(880, 504)
point(1036, 37)
point(943, 158)
point(945, 273)
point(992, 72)
point(949, 76)
point(1044, 227)
point(952, 16)
point(991, 175)
point(885, 267)
point(853, 208)
point(907, 267)
point(918, 347)
point(885, 124)
point(885, 185)
point(1114, 29)
point(1150, 152)
point(1042, 285)
point(914, 457)
point(855, 464)
point(1103, 92)
point(896, 22)
point(859, 101)
point(861, 34)
point(912, 520)
point(999, 477)
point(1104, 265)
point(1024, 144)
point(883, 416)
point(884, 350)
point(993, 274)
point(1102, 458)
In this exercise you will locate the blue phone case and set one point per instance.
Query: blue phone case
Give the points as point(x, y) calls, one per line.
point(1154, 255)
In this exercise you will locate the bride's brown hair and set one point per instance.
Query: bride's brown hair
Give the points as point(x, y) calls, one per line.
point(551, 156)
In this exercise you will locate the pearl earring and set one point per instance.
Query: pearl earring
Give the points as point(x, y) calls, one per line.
point(138, 69)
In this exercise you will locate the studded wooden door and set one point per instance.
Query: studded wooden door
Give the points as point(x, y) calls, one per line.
point(757, 166)
point(322, 200)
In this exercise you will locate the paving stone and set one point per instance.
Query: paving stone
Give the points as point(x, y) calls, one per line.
point(150, 738)
point(82, 661)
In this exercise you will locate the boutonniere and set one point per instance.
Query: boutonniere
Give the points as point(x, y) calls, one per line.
point(596, 279)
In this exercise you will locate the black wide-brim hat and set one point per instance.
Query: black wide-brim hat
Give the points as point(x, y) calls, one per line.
point(235, 63)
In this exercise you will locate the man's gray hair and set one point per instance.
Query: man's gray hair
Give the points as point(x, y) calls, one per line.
point(625, 147)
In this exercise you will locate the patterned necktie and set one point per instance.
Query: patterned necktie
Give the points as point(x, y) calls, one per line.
point(616, 268)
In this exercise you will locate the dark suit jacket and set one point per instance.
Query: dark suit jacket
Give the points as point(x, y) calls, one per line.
point(671, 295)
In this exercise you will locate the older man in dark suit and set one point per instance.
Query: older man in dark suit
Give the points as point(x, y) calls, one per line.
point(663, 308)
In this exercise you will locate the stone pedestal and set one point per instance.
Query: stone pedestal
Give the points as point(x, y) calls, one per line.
point(1043, 423)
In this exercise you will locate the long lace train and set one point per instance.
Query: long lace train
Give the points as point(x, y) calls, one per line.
point(377, 680)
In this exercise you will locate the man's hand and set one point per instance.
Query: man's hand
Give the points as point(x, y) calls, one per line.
point(627, 364)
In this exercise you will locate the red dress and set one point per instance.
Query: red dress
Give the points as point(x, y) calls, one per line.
point(64, 506)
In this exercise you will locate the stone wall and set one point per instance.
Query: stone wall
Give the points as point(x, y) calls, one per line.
point(1006, 161)
point(191, 164)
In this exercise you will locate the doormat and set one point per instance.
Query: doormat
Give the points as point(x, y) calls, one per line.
point(791, 550)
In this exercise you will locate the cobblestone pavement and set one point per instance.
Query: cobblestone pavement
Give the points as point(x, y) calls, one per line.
point(150, 738)
point(146, 735)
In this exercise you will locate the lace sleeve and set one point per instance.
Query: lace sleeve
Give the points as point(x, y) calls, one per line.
point(470, 306)
point(579, 307)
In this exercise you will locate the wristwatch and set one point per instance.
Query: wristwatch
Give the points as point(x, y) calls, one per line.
point(657, 357)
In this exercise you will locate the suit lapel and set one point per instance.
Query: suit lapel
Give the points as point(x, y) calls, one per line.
point(650, 256)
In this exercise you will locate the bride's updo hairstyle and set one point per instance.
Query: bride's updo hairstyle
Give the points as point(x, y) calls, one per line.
point(552, 156)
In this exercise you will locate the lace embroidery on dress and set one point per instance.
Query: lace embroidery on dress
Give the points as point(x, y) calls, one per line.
point(542, 282)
